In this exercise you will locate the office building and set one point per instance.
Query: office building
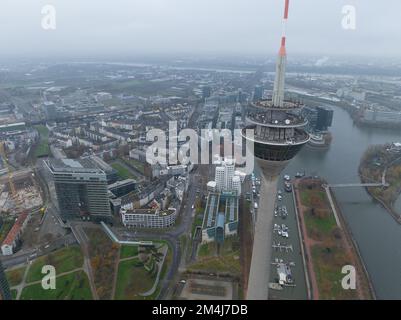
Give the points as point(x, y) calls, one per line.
point(148, 218)
point(258, 93)
point(226, 178)
point(324, 118)
point(81, 189)
point(220, 217)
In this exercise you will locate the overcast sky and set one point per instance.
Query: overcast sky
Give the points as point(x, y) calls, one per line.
point(118, 27)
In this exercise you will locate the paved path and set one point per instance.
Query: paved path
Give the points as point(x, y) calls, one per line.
point(21, 286)
point(117, 263)
point(333, 207)
point(160, 265)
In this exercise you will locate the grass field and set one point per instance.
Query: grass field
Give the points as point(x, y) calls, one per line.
point(329, 248)
point(132, 280)
point(123, 172)
point(128, 251)
point(63, 260)
point(15, 276)
point(328, 263)
point(136, 164)
point(197, 222)
point(14, 294)
point(42, 149)
point(205, 249)
point(74, 286)
point(227, 261)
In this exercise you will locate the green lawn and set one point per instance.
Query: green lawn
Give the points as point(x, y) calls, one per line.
point(307, 197)
point(14, 294)
point(128, 251)
point(42, 149)
point(197, 222)
point(321, 225)
point(15, 276)
point(328, 265)
point(63, 260)
point(227, 261)
point(122, 171)
point(132, 280)
point(204, 250)
point(136, 164)
point(74, 286)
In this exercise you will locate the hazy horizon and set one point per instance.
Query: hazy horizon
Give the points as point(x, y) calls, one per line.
point(197, 27)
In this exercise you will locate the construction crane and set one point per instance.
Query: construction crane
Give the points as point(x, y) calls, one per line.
point(14, 194)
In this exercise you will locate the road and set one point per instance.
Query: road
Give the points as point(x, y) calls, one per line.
point(171, 235)
point(44, 249)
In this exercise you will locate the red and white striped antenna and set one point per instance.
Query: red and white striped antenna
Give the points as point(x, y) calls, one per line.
point(282, 51)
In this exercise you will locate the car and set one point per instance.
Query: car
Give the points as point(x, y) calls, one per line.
point(193, 206)
point(183, 281)
point(287, 177)
point(279, 197)
point(284, 234)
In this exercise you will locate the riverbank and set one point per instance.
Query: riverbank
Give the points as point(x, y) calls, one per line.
point(328, 245)
point(381, 162)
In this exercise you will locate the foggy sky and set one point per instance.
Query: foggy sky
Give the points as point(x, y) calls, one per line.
point(113, 27)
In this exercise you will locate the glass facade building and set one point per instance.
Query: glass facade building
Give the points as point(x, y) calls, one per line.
point(81, 189)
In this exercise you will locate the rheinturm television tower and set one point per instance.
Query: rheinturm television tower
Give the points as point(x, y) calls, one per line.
point(278, 137)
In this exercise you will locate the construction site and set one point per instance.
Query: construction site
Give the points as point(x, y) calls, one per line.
point(20, 196)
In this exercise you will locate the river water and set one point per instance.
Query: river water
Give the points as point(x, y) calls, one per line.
point(375, 231)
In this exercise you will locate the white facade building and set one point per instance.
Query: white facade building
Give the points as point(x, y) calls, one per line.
point(226, 178)
point(148, 218)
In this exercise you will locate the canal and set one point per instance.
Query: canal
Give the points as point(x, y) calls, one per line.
point(375, 231)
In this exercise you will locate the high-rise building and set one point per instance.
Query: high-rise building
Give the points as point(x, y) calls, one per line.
point(206, 92)
point(319, 118)
point(5, 293)
point(226, 178)
point(50, 110)
point(258, 93)
point(278, 136)
point(324, 118)
point(81, 189)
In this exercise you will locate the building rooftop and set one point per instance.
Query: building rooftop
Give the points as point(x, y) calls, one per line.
point(15, 230)
point(74, 166)
point(121, 183)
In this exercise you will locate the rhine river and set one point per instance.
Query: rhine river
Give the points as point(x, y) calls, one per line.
point(375, 231)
